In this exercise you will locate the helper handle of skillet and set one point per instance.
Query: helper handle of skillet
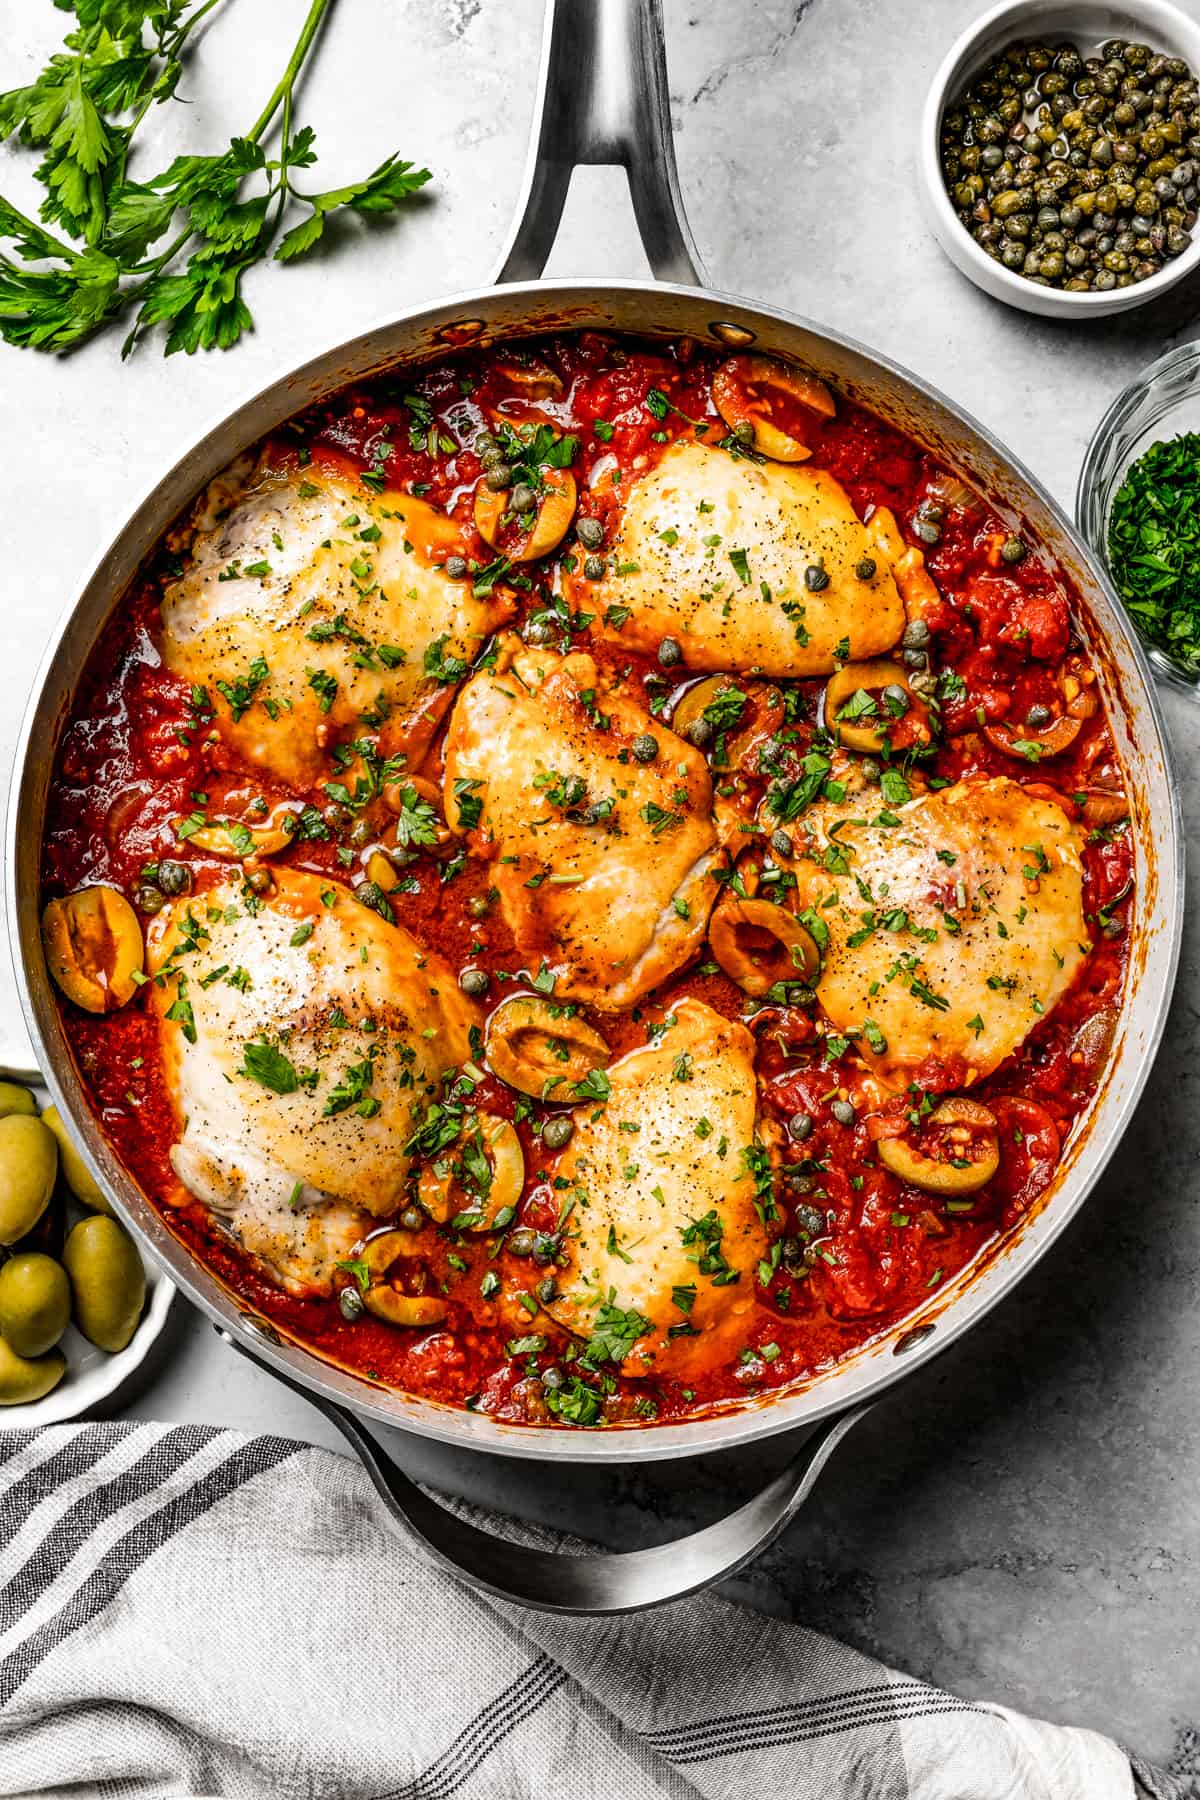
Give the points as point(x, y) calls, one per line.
point(594, 1581)
point(602, 97)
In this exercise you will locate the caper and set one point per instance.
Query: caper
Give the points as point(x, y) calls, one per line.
point(590, 533)
point(843, 1111)
point(927, 529)
point(499, 477)
point(108, 1283)
point(816, 577)
point(174, 877)
point(670, 653)
point(539, 631)
point(545, 1246)
point(782, 844)
point(412, 1219)
point(553, 1379)
point(594, 567)
point(916, 635)
point(259, 881)
point(351, 1304)
point(1038, 717)
point(522, 499)
point(743, 431)
point(456, 568)
point(870, 771)
point(474, 982)
point(1012, 549)
point(149, 900)
point(800, 1126)
point(865, 568)
point(479, 906)
point(520, 1242)
point(700, 732)
point(914, 659)
point(558, 1131)
point(546, 1289)
point(645, 748)
point(791, 1252)
point(896, 699)
point(486, 444)
point(923, 684)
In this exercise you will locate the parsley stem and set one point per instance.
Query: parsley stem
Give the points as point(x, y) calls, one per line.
point(287, 80)
point(281, 96)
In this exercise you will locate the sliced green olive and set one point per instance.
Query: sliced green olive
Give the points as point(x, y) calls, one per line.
point(24, 1379)
point(746, 388)
point(93, 946)
point(108, 1283)
point(387, 1302)
point(35, 1303)
point(551, 521)
point(445, 1196)
point(75, 1171)
point(538, 1052)
point(868, 731)
point(1028, 743)
point(28, 1166)
point(758, 944)
point(969, 1150)
point(394, 1308)
point(691, 707)
point(237, 841)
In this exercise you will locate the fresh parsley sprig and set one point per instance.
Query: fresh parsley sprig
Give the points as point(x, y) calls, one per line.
point(227, 209)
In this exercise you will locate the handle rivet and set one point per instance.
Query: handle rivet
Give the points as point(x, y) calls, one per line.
point(737, 336)
point(460, 331)
point(918, 1335)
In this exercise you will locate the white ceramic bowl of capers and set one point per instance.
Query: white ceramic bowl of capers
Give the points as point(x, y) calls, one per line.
point(1111, 186)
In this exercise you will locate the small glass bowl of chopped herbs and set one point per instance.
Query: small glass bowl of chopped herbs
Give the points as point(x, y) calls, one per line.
point(1138, 506)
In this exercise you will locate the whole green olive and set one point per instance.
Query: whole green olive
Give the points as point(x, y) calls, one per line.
point(35, 1303)
point(28, 1165)
point(23, 1378)
point(75, 1171)
point(107, 1281)
point(16, 1099)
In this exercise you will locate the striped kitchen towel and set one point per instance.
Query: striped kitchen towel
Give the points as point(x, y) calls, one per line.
point(186, 1611)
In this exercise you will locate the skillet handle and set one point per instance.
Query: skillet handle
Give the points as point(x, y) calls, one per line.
point(602, 98)
point(596, 1582)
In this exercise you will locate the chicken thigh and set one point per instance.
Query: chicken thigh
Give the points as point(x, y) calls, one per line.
point(310, 607)
point(955, 922)
point(665, 1230)
point(302, 1037)
point(605, 864)
point(760, 567)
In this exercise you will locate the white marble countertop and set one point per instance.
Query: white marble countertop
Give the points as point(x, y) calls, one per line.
point(1021, 1520)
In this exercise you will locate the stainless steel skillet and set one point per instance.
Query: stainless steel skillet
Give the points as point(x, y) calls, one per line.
point(603, 98)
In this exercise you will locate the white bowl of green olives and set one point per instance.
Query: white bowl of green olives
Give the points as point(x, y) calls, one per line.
point(78, 1309)
point(1060, 154)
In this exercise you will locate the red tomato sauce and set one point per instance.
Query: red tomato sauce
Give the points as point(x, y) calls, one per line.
point(855, 1248)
